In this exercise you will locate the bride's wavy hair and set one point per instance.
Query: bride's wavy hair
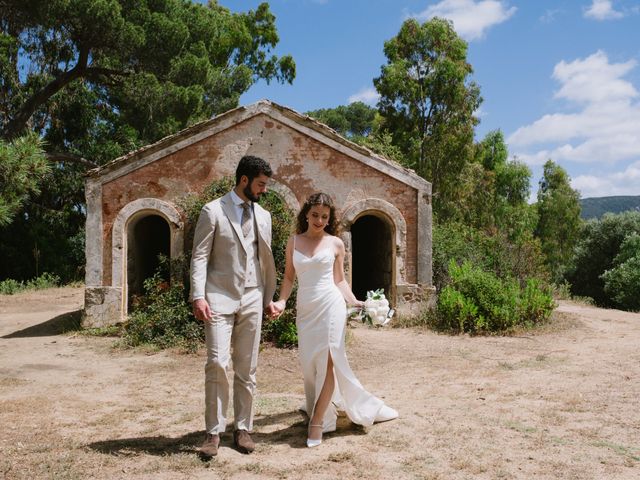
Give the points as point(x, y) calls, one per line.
point(318, 199)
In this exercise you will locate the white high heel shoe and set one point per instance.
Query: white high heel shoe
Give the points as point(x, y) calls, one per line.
point(385, 414)
point(313, 442)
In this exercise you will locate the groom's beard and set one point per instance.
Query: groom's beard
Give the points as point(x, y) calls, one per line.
point(249, 194)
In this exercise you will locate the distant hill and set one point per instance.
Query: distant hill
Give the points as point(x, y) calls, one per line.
point(597, 206)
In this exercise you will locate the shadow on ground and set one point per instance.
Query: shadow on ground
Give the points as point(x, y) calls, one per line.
point(67, 322)
point(159, 445)
point(293, 435)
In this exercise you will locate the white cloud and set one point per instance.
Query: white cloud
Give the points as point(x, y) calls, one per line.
point(471, 18)
point(594, 79)
point(606, 125)
point(550, 16)
point(601, 129)
point(624, 182)
point(369, 95)
point(602, 10)
point(481, 113)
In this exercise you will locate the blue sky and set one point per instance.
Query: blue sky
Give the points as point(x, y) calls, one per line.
point(561, 78)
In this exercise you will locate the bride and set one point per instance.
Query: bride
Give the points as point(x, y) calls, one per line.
point(316, 256)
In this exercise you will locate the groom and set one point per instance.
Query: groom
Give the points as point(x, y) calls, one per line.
point(232, 280)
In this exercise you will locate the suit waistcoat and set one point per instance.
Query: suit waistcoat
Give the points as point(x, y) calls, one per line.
point(252, 272)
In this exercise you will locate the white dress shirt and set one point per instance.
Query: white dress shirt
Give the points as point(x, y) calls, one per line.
point(237, 202)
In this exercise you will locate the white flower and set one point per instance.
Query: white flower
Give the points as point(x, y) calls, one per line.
point(376, 310)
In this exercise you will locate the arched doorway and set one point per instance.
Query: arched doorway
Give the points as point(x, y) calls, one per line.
point(372, 255)
point(147, 237)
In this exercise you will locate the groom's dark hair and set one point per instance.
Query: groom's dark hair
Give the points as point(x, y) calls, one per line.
point(252, 167)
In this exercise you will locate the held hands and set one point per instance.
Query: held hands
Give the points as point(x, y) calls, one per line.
point(275, 309)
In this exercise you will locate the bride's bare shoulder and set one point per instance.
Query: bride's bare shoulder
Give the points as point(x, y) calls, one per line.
point(337, 242)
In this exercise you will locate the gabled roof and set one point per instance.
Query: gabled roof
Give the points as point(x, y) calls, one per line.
point(302, 123)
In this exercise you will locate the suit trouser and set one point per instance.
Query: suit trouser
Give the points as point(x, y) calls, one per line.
point(236, 337)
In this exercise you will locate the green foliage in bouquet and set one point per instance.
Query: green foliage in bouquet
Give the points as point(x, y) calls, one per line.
point(376, 294)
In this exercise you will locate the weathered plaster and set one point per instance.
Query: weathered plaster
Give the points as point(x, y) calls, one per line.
point(93, 234)
point(306, 157)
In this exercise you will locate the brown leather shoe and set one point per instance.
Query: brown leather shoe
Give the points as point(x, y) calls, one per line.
point(243, 441)
point(210, 446)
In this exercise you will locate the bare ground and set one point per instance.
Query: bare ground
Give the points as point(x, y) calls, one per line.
point(558, 403)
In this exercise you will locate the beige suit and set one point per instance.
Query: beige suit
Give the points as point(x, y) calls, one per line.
point(219, 267)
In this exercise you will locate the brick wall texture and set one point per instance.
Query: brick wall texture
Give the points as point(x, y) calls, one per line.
point(300, 162)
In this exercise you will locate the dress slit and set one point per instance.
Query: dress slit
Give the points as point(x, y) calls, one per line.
point(329, 419)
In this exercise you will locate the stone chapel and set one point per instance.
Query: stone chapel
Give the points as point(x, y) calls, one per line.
point(133, 202)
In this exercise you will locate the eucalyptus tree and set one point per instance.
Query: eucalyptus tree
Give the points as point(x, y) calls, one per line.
point(428, 102)
point(494, 191)
point(559, 220)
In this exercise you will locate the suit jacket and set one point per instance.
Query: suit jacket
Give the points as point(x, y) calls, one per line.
point(219, 257)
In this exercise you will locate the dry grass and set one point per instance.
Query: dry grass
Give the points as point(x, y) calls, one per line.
point(556, 402)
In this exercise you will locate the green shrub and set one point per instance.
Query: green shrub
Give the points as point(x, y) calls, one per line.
point(163, 317)
point(536, 303)
point(46, 280)
point(478, 301)
point(455, 311)
point(494, 252)
point(281, 331)
point(11, 286)
point(562, 291)
point(598, 248)
point(622, 282)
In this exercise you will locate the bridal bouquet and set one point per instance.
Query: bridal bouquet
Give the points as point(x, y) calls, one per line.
point(376, 309)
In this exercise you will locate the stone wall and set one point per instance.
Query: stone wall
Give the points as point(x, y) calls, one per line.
point(305, 159)
point(301, 163)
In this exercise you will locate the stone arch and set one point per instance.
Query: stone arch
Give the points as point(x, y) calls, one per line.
point(131, 214)
point(286, 194)
point(391, 220)
point(148, 236)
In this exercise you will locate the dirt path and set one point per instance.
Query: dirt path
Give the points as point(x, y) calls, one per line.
point(562, 403)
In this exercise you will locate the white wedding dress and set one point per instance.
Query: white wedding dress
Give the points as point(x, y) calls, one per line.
point(321, 322)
